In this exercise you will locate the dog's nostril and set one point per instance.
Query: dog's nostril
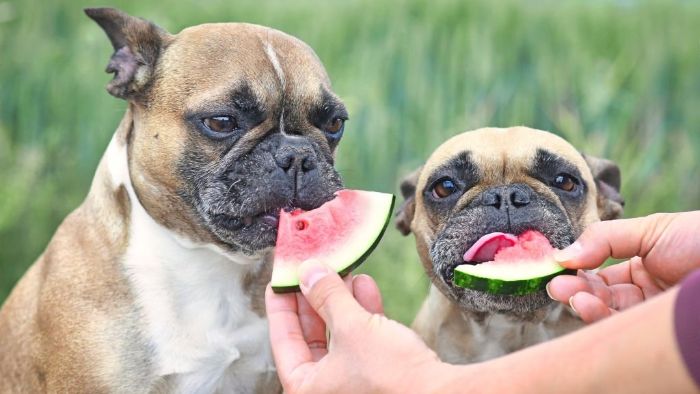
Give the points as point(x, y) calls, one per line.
point(284, 161)
point(300, 161)
point(519, 198)
point(308, 164)
point(492, 199)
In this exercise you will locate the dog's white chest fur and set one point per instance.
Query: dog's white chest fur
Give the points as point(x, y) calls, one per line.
point(461, 337)
point(204, 335)
point(201, 325)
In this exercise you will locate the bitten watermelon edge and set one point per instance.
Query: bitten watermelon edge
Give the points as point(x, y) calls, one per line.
point(342, 233)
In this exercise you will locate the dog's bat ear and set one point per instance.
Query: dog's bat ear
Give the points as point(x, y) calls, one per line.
point(137, 44)
point(404, 215)
point(607, 180)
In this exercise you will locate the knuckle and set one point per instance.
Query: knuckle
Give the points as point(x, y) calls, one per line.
point(601, 292)
point(655, 226)
point(657, 217)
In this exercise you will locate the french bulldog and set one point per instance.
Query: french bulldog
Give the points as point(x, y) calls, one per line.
point(498, 180)
point(155, 283)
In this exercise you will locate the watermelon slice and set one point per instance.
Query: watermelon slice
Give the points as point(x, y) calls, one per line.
point(341, 233)
point(500, 263)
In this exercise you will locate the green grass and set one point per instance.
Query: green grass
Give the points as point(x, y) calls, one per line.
point(619, 79)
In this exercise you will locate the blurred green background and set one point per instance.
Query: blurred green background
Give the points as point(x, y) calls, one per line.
point(619, 79)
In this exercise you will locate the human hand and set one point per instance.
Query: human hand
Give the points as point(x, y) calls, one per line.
point(662, 248)
point(367, 352)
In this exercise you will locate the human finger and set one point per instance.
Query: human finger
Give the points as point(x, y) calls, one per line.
point(624, 238)
point(328, 294)
point(563, 287)
point(632, 271)
point(313, 328)
point(367, 293)
point(625, 295)
point(289, 348)
point(589, 307)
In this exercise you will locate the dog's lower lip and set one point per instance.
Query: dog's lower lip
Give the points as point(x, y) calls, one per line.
point(270, 219)
point(236, 222)
point(228, 222)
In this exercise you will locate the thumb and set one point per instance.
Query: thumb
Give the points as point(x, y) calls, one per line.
point(624, 238)
point(328, 294)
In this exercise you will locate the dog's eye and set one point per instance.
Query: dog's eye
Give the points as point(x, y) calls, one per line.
point(335, 126)
point(221, 124)
point(444, 188)
point(565, 182)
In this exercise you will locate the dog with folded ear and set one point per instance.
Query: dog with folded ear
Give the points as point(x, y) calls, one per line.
point(494, 181)
point(156, 282)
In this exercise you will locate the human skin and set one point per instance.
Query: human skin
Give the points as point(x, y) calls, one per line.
point(634, 351)
point(661, 248)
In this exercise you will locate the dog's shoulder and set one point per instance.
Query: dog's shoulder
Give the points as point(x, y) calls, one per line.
point(19, 340)
point(74, 290)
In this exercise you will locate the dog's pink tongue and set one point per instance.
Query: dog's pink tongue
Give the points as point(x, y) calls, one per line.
point(530, 245)
point(486, 247)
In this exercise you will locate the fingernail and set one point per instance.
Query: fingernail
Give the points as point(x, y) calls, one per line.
point(546, 288)
point(571, 304)
point(569, 253)
point(310, 272)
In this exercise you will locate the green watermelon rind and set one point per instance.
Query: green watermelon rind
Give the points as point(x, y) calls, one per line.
point(345, 271)
point(497, 286)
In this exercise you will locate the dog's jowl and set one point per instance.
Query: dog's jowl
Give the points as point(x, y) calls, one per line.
point(155, 283)
point(500, 180)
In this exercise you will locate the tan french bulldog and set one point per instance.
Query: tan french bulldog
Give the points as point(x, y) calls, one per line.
point(155, 283)
point(498, 180)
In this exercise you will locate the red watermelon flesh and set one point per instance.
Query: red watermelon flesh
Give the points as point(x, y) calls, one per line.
point(504, 264)
point(340, 233)
point(505, 248)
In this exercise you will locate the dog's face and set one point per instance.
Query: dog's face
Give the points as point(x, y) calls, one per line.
point(502, 180)
point(232, 122)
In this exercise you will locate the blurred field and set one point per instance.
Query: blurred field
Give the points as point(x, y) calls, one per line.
point(619, 79)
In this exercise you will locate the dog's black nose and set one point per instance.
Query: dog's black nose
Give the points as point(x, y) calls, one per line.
point(492, 198)
point(519, 197)
point(516, 195)
point(295, 155)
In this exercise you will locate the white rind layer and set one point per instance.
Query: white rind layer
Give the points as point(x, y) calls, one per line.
point(512, 270)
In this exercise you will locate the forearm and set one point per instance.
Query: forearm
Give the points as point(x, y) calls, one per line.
point(635, 351)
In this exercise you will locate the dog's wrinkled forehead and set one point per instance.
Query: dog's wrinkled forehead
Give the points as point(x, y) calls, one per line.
point(502, 155)
point(245, 62)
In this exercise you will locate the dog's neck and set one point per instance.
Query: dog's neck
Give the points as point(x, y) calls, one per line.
point(462, 337)
point(203, 319)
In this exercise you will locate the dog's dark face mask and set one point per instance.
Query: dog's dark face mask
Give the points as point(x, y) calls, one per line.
point(469, 195)
point(262, 150)
point(510, 208)
point(239, 199)
point(230, 124)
